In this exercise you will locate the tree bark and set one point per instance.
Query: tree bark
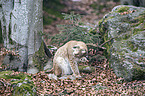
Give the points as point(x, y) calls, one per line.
point(22, 24)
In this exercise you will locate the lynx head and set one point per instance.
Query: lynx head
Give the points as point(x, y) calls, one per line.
point(79, 51)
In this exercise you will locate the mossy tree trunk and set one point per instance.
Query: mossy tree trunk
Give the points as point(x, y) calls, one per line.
point(22, 23)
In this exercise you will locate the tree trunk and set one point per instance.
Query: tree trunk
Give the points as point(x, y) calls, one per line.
point(22, 24)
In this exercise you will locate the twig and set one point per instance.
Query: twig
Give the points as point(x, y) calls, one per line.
point(106, 42)
point(91, 44)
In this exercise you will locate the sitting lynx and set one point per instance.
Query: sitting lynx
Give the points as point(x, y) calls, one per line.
point(67, 56)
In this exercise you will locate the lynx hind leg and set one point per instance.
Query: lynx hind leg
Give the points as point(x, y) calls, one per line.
point(62, 67)
point(57, 70)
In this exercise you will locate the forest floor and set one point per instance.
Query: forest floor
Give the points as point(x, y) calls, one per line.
point(101, 82)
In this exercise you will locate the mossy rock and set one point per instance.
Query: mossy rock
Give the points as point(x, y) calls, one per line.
point(86, 69)
point(21, 83)
point(126, 51)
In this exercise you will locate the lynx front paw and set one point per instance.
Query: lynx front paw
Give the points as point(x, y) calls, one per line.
point(77, 76)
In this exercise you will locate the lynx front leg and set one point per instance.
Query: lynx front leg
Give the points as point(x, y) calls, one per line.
point(75, 69)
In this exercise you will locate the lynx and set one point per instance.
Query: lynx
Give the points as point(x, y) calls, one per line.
point(66, 58)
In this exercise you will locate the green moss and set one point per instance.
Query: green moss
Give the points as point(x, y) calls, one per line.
point(140, 25)
point(123, 9)
point(141, 59)
point(21, 83)
point(141, 17)
point(134, 49)
point(9, 36)
point(9, 75)
point(125, 36)
point(5, 74)
point(101, 28)
point(23, 88)
point(138, 20)
point(41, 51)
point(40, 58)
point(100, 25)
point(93, 31)
point(132, 46)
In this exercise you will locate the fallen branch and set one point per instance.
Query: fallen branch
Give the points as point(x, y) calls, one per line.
point(91, 44)
point(106, 42)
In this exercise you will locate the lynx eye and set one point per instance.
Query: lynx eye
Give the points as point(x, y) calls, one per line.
point(76, 47)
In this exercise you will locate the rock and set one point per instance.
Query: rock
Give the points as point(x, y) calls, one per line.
point(52, 76)
point(126, 25)
point(87, 68)
point(99, 87)
point(12, 63)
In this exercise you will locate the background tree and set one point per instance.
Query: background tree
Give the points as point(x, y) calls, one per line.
point(22, 23)
point(133, 2)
